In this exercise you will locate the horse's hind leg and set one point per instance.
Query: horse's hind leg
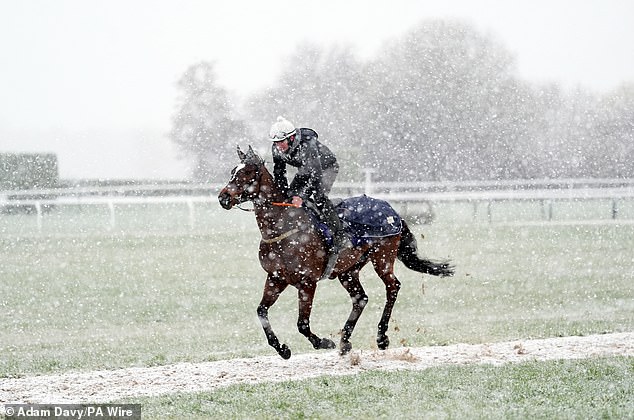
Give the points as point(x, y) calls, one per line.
point(272, 290)
point(383, 261)
point(305, 295)
point(350, 281)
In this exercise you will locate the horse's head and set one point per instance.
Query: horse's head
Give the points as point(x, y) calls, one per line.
point(244, 184)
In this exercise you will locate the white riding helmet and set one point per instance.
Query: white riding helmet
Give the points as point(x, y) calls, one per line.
point(281, 129)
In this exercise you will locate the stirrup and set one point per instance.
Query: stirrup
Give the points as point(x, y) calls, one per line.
point(330, 266)
point(342, 243)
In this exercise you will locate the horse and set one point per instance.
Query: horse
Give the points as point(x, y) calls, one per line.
point(293, 252)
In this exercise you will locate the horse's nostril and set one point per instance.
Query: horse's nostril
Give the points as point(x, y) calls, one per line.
point(225, 200)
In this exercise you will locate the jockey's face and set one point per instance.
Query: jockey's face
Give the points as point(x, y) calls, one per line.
point(282, 146)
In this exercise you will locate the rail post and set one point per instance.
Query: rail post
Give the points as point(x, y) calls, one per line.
point(192, 216)
point(550, 210)
point(368, 180)
point(113, 221)
point(615, 208)
point(38, 209)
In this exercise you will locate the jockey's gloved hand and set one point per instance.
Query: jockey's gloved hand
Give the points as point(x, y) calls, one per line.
point(297, 201)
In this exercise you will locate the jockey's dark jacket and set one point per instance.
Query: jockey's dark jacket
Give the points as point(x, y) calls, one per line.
point(310, 157)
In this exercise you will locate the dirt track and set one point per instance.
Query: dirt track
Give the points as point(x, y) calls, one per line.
point(104, 386)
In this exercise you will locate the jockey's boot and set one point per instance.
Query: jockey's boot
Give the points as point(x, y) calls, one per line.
point(340, 239)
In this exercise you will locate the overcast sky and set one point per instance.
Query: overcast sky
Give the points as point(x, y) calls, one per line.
point(94, 81)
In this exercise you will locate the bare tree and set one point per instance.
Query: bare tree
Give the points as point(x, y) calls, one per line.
point(205, 126)
point(321, 89)
point(614, 134)
point(442, 102)
point(446, 105)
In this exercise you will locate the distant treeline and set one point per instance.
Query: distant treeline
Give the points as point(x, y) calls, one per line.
point(443, 102)
point(23, 171)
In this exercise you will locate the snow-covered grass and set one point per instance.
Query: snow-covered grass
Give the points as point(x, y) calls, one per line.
point(588, 388)
point(83, 298)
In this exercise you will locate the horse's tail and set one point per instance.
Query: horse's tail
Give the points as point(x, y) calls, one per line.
point(407, 254)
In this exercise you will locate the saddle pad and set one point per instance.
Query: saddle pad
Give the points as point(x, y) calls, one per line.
point(367, 217)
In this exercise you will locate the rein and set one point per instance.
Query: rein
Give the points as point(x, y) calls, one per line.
point(285, 205)
point(282, 236)
point(242, 208)
point(274, 204)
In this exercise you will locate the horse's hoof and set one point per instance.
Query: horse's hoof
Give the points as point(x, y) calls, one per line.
point(383, 343)
point(327, 344)
point(285, 352)
point(345, 348)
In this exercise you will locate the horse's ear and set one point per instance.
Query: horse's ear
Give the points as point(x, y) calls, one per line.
point(241, 154)
point(254, 156)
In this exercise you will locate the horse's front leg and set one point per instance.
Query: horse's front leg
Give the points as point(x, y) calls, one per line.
point(305, 295)
point(272, 290)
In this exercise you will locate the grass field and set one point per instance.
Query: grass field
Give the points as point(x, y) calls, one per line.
point(139, 296)
point(568, 389)
point(81, 296)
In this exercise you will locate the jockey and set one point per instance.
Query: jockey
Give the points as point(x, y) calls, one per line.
point(317, 169)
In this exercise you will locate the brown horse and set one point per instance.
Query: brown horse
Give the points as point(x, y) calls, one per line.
point(293, 252)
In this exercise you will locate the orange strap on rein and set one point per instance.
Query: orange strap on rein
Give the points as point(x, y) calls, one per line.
point(285, 205)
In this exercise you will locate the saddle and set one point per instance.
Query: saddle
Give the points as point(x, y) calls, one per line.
point(363, 218)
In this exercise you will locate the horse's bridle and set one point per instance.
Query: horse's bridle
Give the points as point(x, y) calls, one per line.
point(252, 196)
point(245, 195)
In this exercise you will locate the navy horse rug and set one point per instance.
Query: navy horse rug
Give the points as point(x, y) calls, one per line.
point(365, 218)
